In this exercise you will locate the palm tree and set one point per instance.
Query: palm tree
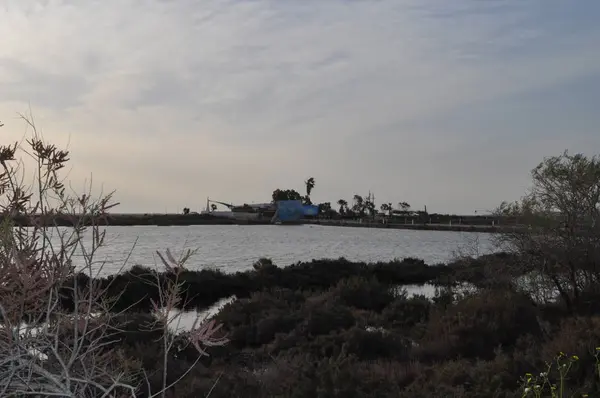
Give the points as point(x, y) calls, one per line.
point(310, 185)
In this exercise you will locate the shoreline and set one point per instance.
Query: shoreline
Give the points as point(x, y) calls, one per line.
point(423, 227)
point(206, 219)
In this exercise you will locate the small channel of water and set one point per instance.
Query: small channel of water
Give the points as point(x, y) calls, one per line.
point(184, 320)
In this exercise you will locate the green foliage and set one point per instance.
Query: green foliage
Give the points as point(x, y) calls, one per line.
point(359, 205)
point(554, 381)
point(387, 208)
point(478, 324)
point(562, 212)
point(364, 294)
point(404, 313)
point(292, 194)
point(310, 185)
point(285, 194)
point(343, 206)
point(335, 329)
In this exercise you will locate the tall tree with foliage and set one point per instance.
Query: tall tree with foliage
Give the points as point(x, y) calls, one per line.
point(404, 207)
point(387, 208)
point(326, 210)
point(310, 185)
point(285, 194)
point(561, 245)
point(359, 205)
point(370, 205)
point(343, 206)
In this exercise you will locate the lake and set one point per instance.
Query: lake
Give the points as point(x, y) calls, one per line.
point(236, 247)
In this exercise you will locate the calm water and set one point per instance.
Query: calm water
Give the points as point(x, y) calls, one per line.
point(234, 248)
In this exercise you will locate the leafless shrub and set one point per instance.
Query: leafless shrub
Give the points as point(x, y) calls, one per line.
point(201, 334)
point(47, 348)
point(471, 248)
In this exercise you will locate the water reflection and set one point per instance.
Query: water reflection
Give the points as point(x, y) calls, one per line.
point(429, 290)
point(184, 320)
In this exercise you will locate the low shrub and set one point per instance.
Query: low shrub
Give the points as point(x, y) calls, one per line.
point(478, 324)
point(404, 312)
point(363, 294)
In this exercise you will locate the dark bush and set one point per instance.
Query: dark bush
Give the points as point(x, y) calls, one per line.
point(135, 288)
point(376, 344)
point(465, 378)
point(334, 328)
point(480, 323)
point(404, 313)
point(363, 294)
point(256, 321)
point(322, 320)
point(489, 270)
point(579, 336)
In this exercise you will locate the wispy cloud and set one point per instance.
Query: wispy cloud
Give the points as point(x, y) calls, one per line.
point(447, 104)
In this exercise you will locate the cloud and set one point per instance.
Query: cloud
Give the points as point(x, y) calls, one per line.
point(447, 104)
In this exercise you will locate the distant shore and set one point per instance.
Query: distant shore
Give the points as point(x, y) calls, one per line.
point(459, 225)
point(421, 227)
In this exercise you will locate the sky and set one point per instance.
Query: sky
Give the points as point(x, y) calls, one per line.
point(447, 104)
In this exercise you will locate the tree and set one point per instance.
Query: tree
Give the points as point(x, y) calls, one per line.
point(561, 244)
point(310, 185)
point(370, 205)
point(287, 194)
point(186, 210)
point(213, 207)
point(343, 206)
point(326, 210)
point(405, 207)
point(359, 205)
point(387, 208)
point(325, 207)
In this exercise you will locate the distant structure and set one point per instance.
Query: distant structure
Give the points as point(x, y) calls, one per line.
point(241, 212)
point(293, 212)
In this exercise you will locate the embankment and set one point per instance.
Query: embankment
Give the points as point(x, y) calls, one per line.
point(136, 220)
point(422, 227)
point(478, 224)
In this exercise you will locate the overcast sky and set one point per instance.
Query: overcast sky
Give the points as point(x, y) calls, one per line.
point(441, 103)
